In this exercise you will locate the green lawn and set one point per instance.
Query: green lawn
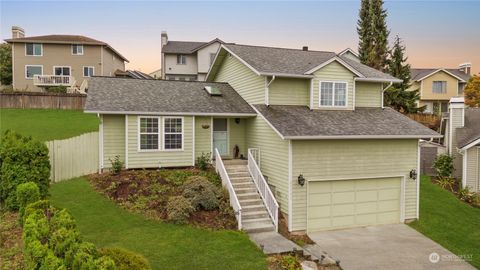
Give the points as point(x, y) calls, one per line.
point(166, 246)
point(448, 221)
point(47, 125)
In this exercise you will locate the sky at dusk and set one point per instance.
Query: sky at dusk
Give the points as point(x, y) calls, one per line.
point(436, 33)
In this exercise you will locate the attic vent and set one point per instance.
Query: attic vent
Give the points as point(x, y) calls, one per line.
point(213, 90)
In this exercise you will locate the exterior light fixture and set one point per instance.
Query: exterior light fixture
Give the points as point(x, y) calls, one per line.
point(237, 120)
point(413, 174)
point(301, 180)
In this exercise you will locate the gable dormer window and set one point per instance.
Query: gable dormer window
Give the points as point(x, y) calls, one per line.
point(333, 94)
point(77, 49)
point(181, 59)
point(33, 49)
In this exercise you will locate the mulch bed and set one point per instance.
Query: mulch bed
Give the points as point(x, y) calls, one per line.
point(11, 244)
point(147, 192)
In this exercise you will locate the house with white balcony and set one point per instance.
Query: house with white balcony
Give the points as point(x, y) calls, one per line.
point(40, 62)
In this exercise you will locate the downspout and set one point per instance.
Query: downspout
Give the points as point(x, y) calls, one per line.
point(267, 92)
point(383, 93)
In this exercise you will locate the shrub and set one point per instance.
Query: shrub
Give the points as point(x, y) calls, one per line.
point(179, 209)
point(117, 164)
point(178, 177)
point(289, 262)
point(466, 195)
point(203, 161)
point(27, 193)
point(446, 183)
point(105, 263)
point(52, 262)
point(443, 165)
point(201, 193)
point(22, 159)
point(56, 89)
point(125, 260)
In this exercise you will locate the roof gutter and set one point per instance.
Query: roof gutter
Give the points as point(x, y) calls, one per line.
point(287, 75)
point(383, 93)
point(267, 91)
point(172, 113)
point(347, 137)
point(378, 80)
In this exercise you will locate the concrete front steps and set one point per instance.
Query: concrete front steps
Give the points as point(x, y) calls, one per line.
point(255, 217)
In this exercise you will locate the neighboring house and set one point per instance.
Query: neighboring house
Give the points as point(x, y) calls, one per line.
point(135, 74)
point(438, 85)
point(60, 60)
point(333, 157)
point(462, 139)
point(157, 74)
point(350, 54)
point(187, 60)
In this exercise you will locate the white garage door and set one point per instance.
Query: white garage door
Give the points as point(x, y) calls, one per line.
point(353, 203)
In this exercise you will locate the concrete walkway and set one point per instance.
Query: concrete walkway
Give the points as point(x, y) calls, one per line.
point(394, 246)
point(273, 242)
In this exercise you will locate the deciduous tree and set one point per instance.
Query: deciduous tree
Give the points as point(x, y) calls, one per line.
point(472, 91)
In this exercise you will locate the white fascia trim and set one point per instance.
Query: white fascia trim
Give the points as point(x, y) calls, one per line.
point(100, 144)
point(347, 137)
point(269, 124)
point(290, 186)
point(287, 75)
point(126, 141)
point(173, 113)
point(383, 93)
point(336, 58)
point(470, 145)
point(241, 60)
point(377, 80)
point(438, 70)
point(349, 50)
point(193, 140)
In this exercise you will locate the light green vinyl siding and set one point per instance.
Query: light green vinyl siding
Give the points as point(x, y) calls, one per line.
point(237, 136)
point(273, 157)
point(473, 168)
point(324, 160)
point(368, 94)
point(203, 137)
point(337, 73)
point(288, 91)
point(113, 138)
point(154, 159)
point(248, 84)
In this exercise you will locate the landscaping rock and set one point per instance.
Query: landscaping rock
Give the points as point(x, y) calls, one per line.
point(309, 265)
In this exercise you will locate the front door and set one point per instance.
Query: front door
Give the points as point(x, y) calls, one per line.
point(220, 135)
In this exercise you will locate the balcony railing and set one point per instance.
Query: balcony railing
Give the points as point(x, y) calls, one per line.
point(53, 80)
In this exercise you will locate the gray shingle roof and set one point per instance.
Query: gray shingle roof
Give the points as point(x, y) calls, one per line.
point(471, 131)
point(186, 47)
point(118, 95)
point(294, 61)
point(418, 73)
point(300, 121)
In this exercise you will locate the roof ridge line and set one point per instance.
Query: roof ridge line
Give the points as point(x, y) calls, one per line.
point(281, 48)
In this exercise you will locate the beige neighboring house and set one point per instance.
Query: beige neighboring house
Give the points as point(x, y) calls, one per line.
point(187, 60)
point(60, 60)
point(438, 85)
point(157, 74)
point(461, 126)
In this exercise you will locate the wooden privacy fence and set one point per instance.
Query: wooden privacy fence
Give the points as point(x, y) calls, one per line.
point(428, 120)
point(73, 157)
point(34, 100)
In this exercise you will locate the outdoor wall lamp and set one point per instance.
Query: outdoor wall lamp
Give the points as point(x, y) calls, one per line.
point(413, 174)
point(237, 120)
point(301, 180)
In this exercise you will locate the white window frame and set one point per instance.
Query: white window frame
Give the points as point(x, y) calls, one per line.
point(158, 133)
point(165, 133)
point(443, 82)
point(182, 56)
point(31, 78)
point(333, 94)
point(41, 49)
point(93, 71)
point(69, 68)
point(79, 45)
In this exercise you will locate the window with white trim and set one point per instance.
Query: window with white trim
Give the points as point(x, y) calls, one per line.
point(31, 71)
point(172, 133)
point(181, 59)
point(149, 133)
point(33, 49)
point(77, 49)
point(61, 71)
point(333, 94)
point(88, 71)
point(439, 87)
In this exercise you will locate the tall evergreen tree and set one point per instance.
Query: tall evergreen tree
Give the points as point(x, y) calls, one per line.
point(397, 63)
point(364, 31)
point(5, 64)
point(379, 52)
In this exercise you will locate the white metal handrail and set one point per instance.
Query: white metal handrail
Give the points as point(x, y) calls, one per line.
point(52, 80)
point(220, 168)
point(263, 188)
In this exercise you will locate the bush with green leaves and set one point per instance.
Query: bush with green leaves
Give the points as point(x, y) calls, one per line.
point(447, 182)
point(117, 164)
point(22, 159)
point(466, 195)
point(179, 209)
point(27, 193)
point(443, 165)
point(56, 89)
point(124, 259)
point(202, 193)
point(203, 161)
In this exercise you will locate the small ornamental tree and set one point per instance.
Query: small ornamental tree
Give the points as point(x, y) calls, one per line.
point(472, 92)
point(443, 165)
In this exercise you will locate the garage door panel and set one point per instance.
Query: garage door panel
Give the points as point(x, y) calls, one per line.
point(352, 203)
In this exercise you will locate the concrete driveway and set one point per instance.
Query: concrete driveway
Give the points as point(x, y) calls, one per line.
point(394, 246)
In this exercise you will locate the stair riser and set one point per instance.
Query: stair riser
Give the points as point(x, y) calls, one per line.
point(235, 162)
point(242, 191)
point(258, 203)
point(244, 185)
point(241, 180)
point(242, 197)
point(246, 216)
point(255, 207)
point(257, 230)
point(238, 175)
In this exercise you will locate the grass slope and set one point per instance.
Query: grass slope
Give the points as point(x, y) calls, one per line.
point(448, 221)
point(166, 246)
point(47, 125)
